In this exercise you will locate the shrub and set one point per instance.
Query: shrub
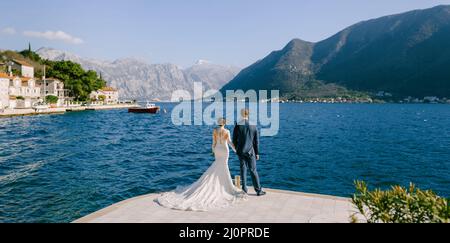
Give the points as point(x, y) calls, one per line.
point(400, 205)
point(51, 99)
point(20, 98)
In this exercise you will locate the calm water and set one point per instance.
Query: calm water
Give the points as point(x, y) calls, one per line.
point(61, 167)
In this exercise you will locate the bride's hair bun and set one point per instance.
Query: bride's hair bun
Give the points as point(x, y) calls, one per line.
point(221, 122)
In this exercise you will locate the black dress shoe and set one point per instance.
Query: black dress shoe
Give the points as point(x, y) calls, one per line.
point(261, 193)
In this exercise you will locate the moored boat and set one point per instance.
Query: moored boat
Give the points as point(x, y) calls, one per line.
point(38, 107)
point(149, 108)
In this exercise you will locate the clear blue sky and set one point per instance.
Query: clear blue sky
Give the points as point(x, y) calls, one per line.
point(234, 32)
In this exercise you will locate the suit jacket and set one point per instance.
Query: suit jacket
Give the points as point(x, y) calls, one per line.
point(246, 139)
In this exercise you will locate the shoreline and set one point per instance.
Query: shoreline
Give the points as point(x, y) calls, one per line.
point(309, 102)
point(8, 113)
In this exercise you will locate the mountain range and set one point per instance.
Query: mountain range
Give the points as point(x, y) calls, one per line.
point(137, 79)
point(406, 54)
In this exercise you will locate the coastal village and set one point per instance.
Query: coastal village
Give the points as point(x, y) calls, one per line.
point(25, 94)
point(369, 100)
point(21, 93)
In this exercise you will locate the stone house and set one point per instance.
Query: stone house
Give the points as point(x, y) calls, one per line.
point(110, 94)
point(26, 69)
point(53, 87)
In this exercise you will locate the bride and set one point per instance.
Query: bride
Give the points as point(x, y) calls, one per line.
point(215, 188)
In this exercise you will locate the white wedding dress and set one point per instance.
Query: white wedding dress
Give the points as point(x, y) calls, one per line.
point(214, 190)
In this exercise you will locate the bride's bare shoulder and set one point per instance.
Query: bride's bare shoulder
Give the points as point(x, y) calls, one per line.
point(216, 130)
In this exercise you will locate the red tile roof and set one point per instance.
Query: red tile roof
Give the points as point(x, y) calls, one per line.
point(48, 80)
point(23, 63)
point(108, 89)
point(4, 75)
point(23, 79)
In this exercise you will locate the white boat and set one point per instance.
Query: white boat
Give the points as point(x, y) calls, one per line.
point(40, 107)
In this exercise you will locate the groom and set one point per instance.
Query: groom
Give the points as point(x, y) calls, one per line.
point(246, 141)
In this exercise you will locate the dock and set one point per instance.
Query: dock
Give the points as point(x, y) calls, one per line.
point(60, 110)
point(277, 206)
point(31, 112)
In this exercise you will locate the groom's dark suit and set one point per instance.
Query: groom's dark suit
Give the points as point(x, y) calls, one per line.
point(246, 141)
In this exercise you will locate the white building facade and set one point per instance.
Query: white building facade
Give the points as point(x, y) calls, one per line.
point(4, 91)
point(23, 92)
point(25, 69)
point(110, 95)
point(53, 87)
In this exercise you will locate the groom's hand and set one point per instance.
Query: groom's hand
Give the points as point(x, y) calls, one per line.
point(257, 157)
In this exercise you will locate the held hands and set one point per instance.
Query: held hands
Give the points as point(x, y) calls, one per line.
point(257, 157)
point(233, 147)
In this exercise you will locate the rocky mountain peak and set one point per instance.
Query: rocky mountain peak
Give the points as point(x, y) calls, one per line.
point(202, 62)
point(406, 54)
point(137, 79)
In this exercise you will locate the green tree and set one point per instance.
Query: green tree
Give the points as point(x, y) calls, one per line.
point(75, 78)
point(30, 54)
point(51, 99)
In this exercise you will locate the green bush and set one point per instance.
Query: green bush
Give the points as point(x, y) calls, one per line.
point(20, 98)
point(51, 99)
point(400, 205)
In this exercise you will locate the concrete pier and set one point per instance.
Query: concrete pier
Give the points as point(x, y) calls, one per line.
point(60, 110)
point(30, 112)
point(276, 207)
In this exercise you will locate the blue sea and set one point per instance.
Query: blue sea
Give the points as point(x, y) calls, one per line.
point(57, 168)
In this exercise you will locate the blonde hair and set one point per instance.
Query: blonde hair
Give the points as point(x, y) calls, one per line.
point(221, 121)
point(245, 113)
